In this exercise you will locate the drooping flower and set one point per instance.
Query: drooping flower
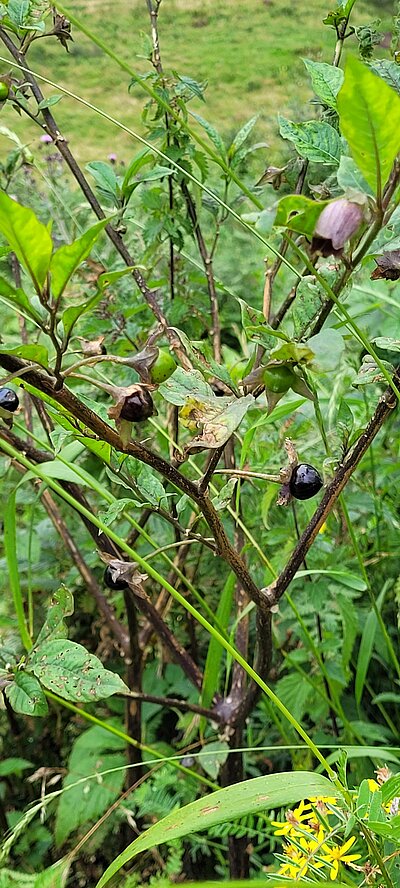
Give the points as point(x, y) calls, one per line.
point(338, 221)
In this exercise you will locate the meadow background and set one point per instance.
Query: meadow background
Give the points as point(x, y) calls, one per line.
point(249, 52)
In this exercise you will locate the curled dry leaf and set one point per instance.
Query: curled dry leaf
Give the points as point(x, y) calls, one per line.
point(387, 266)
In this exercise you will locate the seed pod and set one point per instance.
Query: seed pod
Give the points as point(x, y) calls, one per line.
point(305, 482)
point(138, 406)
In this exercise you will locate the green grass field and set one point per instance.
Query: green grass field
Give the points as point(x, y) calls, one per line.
point(250, 52)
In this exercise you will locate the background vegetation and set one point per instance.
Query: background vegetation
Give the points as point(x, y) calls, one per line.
point(226, 650)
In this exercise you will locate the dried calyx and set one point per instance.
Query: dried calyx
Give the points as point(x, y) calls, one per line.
point(137, 406)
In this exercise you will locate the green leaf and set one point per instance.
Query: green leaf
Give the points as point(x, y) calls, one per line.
point(369, 113)
point(242, 135)
point(26, 696)
point(14, 766)
point(157, 172)
point(74, 312)
point(184, 384)
point(12, 296)
point(366, 647)
point(344, 577)
point(328, 347)
point(69, 257)
point(350, 179)
point(215, 651)
point(92, 753)
point(10, 548)
point(115, 510)
point(326, 81)
point(248, 797)
point(47, 103)
point(318, 142)
point(212, 133)
point(307, 213)
point(28, 237)
point(68, 670)
point(217, 754)
point(36, 353)
point(388, 70)
point(55, 876)
point(62, 605)
point(106, 180)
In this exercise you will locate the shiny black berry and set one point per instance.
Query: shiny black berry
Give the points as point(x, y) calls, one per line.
point(305, 482)
point(8, 400)
point(138, 407)
point(112, 583)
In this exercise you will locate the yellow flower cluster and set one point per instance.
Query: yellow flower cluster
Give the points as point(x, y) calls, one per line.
point(310, 846)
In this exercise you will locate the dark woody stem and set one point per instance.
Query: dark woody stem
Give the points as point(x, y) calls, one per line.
point(386, 405)
point(87, 418)
point(52, 129)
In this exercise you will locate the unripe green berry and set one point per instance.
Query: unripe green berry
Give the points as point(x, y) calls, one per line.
point(278, 379)
point(163, 367)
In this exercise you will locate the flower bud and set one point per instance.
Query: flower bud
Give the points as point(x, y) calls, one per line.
point(338, 221)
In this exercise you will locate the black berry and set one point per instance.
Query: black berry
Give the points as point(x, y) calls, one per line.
point(113, 583)
point(138, 407)
point(305, 482)
point(8, 399)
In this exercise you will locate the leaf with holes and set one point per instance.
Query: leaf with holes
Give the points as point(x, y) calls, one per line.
point(68, 670)
point(26, 696)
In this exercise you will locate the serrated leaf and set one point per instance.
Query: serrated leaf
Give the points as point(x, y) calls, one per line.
point(69, 257)
point(68, 670)
point(212, 133)
point(326, 81)
point(369, 113)
point(115, 510)
point(388, 70)
point(318, 142)
point(28, 237)
point(242, 135)
point(26, 696)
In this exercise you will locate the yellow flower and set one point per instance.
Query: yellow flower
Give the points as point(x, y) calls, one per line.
point(294, 820)
point(335, 855)
point(326, 800)
point(373, 786)
point(298, 862)
point(300, 858)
